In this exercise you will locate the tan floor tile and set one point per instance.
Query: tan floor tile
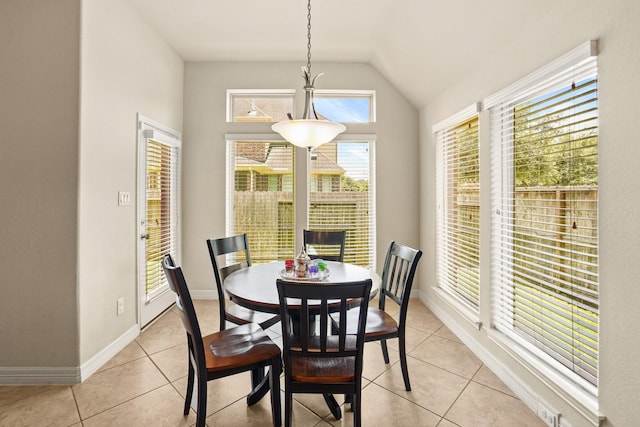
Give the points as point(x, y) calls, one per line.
point(166, 332)
point(239, 414)
point(160, 407)
point(420, 317)
point(381, 407)
point(172, 362)
point(480, 406)
point(431, 387)
point(221, 392)
point(131, 352)
point(106, 389)
point(413, 338)
point(446, 333)
point(208, 312)
point(373, 362)
point(449, 355)
point(486, 377)
point(37, 406)
point(446, 423)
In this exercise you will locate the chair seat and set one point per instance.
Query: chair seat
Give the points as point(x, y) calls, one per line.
point(237, 347)
point(379, 323)
point(316, 370)
point(240, 315)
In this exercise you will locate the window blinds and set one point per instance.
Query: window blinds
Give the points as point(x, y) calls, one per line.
point(342, 196)
point(545, 214)
point(458, 213)
point(162, 212)
point(260, 197)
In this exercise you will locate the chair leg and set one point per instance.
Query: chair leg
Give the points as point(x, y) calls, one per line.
point(385, 352)
point(189, 393)
point(288, 406)
point(356, 407)
point(202, 401)
point(274, 386)
point(403, 362)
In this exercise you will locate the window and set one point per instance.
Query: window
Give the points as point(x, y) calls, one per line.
point(341, 196)
point(259, 105)
point(260, 197)
point(544, 133)
point(346, 106)
point(458, 214)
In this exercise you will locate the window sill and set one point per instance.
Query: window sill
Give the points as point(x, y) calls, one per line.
point(464, 311)
point(584, 401)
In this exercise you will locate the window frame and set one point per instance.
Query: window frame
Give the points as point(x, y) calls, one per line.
point(574, 66)
point(351, 93)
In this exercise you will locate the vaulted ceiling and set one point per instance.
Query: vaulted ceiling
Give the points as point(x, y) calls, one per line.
point(421, 46)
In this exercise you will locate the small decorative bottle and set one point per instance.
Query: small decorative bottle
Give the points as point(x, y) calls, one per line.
point(302, 263)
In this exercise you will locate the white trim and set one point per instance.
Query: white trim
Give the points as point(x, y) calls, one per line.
point(572, 59)
point(67, 375)
point(275, 137)
point(204, 294)
point(456, 119)
point(38, 375)
point(96, 362)
point(467, 313)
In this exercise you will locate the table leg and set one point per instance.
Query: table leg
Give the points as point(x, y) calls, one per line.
point(260, 386)
point(333, 405)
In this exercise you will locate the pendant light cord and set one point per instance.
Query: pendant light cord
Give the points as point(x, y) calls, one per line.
point(309, 36)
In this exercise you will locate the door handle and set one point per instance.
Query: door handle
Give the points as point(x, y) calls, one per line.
point(144, 236)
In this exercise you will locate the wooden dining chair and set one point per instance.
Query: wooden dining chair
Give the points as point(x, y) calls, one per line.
point(238, 246)
point(327, 245)
point(317, 360)
point(228, 352)
point(397, 279)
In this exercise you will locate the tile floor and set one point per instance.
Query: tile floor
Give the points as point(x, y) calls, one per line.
point(144, 385)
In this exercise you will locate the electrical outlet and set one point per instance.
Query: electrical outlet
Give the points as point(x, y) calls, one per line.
point(120, 306)
point(547, 415)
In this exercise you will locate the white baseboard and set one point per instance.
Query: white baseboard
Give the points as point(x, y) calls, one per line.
point(96, 362)
point(66, 375)
point(204, 294)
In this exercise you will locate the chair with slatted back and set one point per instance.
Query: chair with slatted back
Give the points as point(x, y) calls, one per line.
point(327, 245)
point(318, 359)
point(228, 352)
point(397, 280)
point(239, 247)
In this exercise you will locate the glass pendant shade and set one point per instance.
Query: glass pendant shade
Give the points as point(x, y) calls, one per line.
point(308, 133)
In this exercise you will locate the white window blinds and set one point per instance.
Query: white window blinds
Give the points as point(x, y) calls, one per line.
point(544, 134)
point(342, 196)
point(260, 197)
point(162, 212)
point(458, 213)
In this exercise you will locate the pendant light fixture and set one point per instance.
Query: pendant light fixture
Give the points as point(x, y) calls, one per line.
point(308, 132)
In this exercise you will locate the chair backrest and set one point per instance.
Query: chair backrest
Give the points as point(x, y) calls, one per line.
point(184, 303)
point(302, 304)
point(397, 277)
point(327, 245)
point(228, 245)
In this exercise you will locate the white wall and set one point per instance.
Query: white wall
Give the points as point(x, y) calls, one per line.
point(39, 106)
point(617, 26)
point(126, 69)
point(204, 150)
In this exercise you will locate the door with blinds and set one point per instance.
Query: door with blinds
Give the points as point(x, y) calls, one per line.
point(158, 215)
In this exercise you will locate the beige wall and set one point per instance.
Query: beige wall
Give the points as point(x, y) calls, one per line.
point(204, 150)
point(617, 26)
point(39, 106)
point(126, 69)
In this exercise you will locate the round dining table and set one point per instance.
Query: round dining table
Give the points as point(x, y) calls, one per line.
point(254, 287)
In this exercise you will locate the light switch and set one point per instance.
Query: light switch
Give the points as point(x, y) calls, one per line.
point(124, 198)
